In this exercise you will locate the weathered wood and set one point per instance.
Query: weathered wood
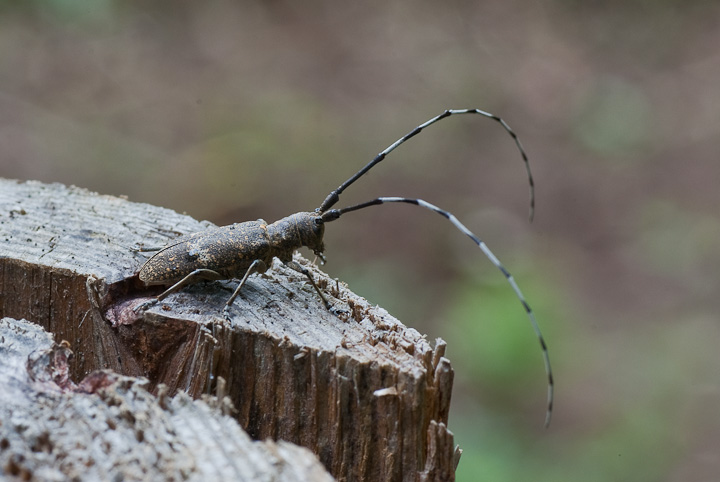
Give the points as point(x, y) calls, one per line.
point(108, 427)
point(367, 394)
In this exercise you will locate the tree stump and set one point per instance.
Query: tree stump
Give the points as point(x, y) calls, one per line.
point(108, 427)
point(365, 393)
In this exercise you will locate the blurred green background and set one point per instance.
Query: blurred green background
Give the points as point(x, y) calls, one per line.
point(231, 111)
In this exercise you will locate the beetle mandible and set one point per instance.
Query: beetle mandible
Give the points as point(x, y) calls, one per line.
point(245, 248)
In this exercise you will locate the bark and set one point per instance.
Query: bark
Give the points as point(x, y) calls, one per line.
point(366, 394)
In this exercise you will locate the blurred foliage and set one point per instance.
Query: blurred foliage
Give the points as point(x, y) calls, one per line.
point(232, 111)
point(614, 119)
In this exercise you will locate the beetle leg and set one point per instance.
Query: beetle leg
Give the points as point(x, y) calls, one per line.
point(195, 276)
point(257, 266)
point(301, 269)
point(146, 249)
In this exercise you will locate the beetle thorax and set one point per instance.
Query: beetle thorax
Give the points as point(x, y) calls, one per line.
point(293, 232)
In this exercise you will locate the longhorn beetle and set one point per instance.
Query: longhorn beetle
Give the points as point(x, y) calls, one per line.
point(246, 248)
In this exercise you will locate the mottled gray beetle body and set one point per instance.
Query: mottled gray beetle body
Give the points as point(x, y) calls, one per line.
point(233, 251)
point(230, 250)
point(225, 250)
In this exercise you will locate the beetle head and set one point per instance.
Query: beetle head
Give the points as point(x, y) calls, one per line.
point(312, 230)
point(295, 231)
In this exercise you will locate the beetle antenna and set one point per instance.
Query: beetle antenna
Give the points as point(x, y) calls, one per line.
point(334, 214)
point(334, 196)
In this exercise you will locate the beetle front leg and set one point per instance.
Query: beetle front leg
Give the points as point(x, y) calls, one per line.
point(301, 269)
point(193, 277)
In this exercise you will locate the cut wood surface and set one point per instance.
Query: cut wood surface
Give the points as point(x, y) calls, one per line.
point(367, 394)
point(108, 427)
